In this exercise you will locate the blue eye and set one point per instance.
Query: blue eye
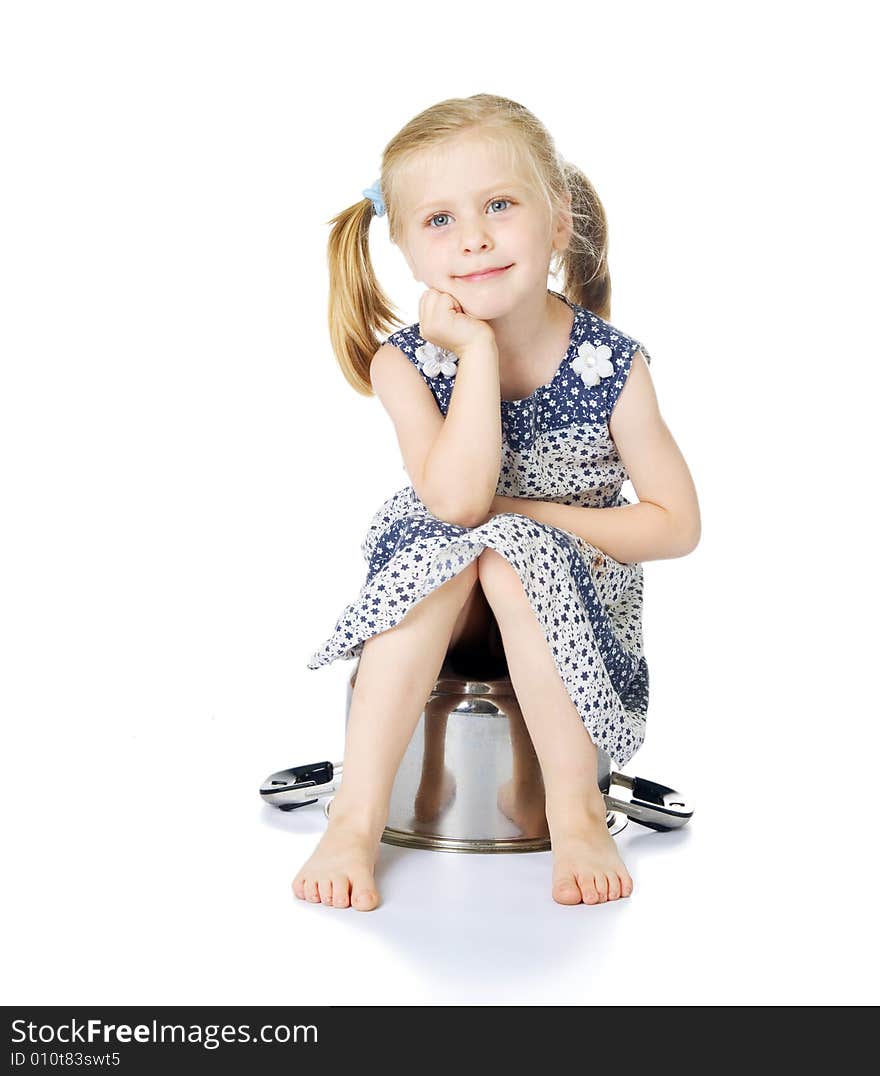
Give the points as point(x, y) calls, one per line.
point(494, 201)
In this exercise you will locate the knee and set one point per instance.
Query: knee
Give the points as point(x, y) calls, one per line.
point(498, 577)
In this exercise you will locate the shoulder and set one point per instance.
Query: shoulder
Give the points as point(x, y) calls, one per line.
point(615, 354)
point(637, 406)
point(399, 388)
point(406, 340)
point(406, 346)
point(387, 358)
point(623, 344)
point(395, 353)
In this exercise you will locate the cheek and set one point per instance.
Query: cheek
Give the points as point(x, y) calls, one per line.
point(538, 235)
point(435, 252)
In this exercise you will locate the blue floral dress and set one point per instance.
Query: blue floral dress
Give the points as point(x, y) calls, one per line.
point(556, 446)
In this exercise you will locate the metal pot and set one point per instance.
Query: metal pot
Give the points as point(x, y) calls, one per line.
point(455, 787)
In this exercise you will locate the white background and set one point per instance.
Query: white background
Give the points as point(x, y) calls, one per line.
point(187, 476)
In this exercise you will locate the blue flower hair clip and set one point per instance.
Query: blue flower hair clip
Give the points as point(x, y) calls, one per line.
point(375, 196)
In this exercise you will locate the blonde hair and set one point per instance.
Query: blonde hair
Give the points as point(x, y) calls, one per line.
point(360, 315)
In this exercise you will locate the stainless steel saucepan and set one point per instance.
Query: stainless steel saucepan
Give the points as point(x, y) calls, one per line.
point(470, 781)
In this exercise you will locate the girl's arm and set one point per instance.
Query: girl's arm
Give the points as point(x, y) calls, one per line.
point(666, 520)
point(453, 460)
point(465, 459)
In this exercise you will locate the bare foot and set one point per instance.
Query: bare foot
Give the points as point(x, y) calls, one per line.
point(340, 870)
point(586, 865)
point(523, 803)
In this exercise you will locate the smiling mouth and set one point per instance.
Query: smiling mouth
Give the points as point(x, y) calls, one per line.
point(486, 273)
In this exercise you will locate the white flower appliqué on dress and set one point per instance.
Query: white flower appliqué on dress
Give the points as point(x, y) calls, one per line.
point(593, 363)
point(436, 360)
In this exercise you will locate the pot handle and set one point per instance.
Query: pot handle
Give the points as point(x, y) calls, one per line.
point(299, 786)
point(649, 803)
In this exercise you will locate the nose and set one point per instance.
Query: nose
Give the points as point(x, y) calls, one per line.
point(476, 237)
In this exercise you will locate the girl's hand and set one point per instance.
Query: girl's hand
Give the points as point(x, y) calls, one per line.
point(443, 322)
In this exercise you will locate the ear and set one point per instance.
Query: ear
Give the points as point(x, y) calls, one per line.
point(564, 226)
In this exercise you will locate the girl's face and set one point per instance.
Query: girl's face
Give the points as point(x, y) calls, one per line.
point(464, 211)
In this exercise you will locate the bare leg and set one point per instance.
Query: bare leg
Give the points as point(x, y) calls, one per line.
point(396, 673)
point(586, 864)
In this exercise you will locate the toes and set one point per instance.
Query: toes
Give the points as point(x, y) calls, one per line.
point(332, 891)
point(613, 887)
point(364, 900)
point(307, 889)
point(601, 883)
point(363, 893)
point(340, 891)
point(626, 885)
point(565, 890)
point(588, 888)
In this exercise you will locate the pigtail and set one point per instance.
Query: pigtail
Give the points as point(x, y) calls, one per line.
point(585, 261)
point(359, 313)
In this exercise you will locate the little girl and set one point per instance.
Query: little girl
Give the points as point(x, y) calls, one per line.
point(520, 412)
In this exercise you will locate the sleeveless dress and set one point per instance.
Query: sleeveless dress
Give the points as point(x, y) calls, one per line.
point(556, 446)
